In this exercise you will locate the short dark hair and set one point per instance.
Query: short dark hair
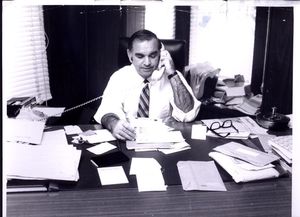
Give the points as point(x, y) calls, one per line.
point(142, 35)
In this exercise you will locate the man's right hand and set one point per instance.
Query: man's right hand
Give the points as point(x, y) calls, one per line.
point(123, 130)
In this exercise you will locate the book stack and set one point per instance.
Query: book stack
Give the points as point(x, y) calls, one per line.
point(282, 146)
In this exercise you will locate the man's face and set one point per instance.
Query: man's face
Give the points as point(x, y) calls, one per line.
point(145, 56)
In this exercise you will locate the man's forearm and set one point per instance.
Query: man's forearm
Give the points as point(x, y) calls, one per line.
point(182, 97)
point(109, 121)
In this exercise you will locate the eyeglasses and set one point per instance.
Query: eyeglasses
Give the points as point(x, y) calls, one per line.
point(225, 124)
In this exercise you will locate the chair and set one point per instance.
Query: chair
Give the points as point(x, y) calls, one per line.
point(175, 47)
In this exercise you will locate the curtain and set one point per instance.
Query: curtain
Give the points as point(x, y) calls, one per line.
point(24, 52)
point(223, 35)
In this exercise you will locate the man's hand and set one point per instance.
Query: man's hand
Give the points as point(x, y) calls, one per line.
point(123, 130)
point(167, 62)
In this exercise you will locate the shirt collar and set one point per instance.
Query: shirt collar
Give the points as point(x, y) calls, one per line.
point(156, 75)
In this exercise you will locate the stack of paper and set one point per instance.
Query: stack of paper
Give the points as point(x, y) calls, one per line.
point(52, 159)
point(245, 164)
point(154, 135)
point(282, 145)
point(148, 174)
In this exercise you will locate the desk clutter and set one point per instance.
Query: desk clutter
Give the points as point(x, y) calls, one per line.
point(55, 158)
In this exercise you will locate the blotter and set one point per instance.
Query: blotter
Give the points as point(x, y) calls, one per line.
point(200, 175)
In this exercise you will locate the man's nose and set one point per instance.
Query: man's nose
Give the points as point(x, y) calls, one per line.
point(147, 61)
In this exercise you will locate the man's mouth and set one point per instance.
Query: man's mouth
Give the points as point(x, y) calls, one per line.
point(147, 69)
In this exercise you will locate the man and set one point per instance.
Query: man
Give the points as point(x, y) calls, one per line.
point(169, 93)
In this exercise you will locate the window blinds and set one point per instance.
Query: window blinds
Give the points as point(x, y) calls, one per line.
point(24, 52)
point(160, 19)
point(223, 35)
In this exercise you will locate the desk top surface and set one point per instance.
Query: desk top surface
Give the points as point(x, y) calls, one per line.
point(88, 198)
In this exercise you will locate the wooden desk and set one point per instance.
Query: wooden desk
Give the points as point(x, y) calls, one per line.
point(267, 198)
point(88, 198)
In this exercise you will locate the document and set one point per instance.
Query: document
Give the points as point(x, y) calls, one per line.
point(50, 111)
point(250, 155)
point(54, 158)
point(102, 135)
point(200, 175)
point(112, 175)
point(101, 148)
point(245, 126)
point(130, 145)
point(198, 132)
point(241, 171)
point(148, 174)
point(159, 137)
point(176, 147)
point(21, 130)
point(72, 129)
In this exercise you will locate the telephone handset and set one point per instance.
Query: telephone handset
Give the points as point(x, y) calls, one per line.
point(157, 74)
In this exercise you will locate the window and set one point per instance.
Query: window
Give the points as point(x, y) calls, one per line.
point(160, 19)
point(25, 68)
point(223, 35)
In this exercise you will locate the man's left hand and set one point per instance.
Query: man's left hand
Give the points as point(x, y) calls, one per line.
point(167, 62)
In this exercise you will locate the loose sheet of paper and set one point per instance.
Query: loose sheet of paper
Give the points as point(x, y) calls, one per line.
point(200, 175)
point(198, 132)
point(23, 130)
point(72, 129)
point(101, 148)
point(51, 111)
point(112, 175)
point(148, 174)
point(253, 156)
point(102, 135)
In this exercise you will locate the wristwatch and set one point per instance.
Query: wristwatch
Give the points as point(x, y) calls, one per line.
point(172, 75)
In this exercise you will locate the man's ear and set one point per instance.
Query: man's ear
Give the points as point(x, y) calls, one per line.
point(129, 54)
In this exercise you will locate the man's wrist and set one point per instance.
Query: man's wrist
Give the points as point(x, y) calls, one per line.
point(109, 121)
point(172, 75)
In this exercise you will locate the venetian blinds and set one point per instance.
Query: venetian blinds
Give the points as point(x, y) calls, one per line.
point(160, 19)
point(223, 35)
point(25, 64)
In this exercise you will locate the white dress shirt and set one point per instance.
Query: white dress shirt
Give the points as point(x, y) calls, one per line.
point(122, 95)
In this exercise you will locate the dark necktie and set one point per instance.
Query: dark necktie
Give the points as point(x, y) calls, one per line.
point(143, 109)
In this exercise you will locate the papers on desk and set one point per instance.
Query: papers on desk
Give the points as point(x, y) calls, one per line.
point(244, 125)
point(232, 91)
point(93, 136)
point(250, 155)
point(152, 135)
point(21, 130)
point(200, 175)
point(148, 174)
point(244, 163)
point(242, 171)
point(72, 129)
point(101, 148)
point(52, 159)
point(50, 111)
point(112, 175)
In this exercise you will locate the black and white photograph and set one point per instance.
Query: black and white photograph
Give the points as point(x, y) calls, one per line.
point(150, 108)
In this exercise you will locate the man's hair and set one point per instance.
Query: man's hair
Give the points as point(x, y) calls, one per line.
point(142, 35)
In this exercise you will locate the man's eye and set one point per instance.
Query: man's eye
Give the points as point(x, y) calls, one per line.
point(153, 56)
point(139, 56)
